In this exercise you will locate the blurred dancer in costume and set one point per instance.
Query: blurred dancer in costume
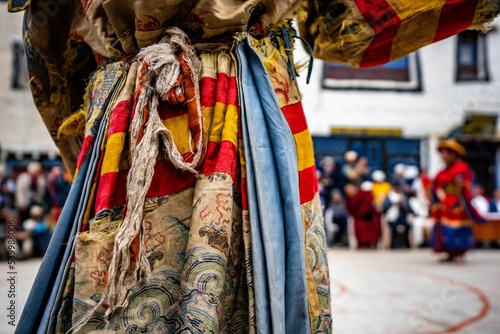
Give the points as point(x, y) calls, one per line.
point(452, 208)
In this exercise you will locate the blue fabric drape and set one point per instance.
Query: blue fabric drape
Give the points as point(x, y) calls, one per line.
point(274, 203)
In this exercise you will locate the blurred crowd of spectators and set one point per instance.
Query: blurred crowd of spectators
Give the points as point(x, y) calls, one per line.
point(378, 209)
point(394, 211)
point(32, 201)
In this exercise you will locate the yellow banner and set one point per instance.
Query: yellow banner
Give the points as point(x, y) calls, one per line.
point(367, 131)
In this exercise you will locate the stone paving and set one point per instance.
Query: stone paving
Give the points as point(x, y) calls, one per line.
point(379, 292)
point(409, 292)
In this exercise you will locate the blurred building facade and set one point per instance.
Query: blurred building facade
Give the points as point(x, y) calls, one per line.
point(397, 113)
point(23, 136)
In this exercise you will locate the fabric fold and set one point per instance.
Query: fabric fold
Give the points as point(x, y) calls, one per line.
point(271, 159)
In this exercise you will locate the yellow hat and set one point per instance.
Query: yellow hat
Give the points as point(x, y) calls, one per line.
point(452, 145)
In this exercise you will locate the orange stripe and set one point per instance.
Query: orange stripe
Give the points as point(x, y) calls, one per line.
point(455, 223)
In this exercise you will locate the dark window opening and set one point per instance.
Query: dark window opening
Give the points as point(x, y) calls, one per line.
point(471, 62)
point(399, 75)
point(396, 71)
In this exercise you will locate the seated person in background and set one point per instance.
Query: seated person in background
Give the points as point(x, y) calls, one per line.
point(349, 173)
point(360, 205)
point(355, 169)
point(336, 220)
point(398, 173)
point(419, 202)
point(495, 202)
point(327, 179)
point(39, 230)
point(363, 169)
point(396, 210)
point(380, 187)
point(479, 201)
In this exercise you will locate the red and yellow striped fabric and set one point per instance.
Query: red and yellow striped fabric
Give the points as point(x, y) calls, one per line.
point(218, 95)
point(308, 183)
point(369, 33)
point(221, 115)
point(401, 27)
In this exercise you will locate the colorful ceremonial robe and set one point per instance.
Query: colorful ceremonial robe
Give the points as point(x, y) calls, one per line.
point(453, 215)
point(194, 206)
point(235, 247)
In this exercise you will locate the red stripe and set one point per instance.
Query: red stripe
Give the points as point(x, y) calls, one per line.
point(99, 167)
point(308, 184)
point(243, 191)
point(456, 16)
point(168, 180)
point(167, 110)
point(108, 186)
point(379, 51)
point(233, 92)
point(377, 13)
point(222, 88)
point(228, 159)
point(120, 117)
point(385, 24)
point(86, 146)
point(222, 158)
point(210, 160)
point(295, 117)
point(105, 191)
point(120, 196)
point(207, 89)
point(112, 190)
